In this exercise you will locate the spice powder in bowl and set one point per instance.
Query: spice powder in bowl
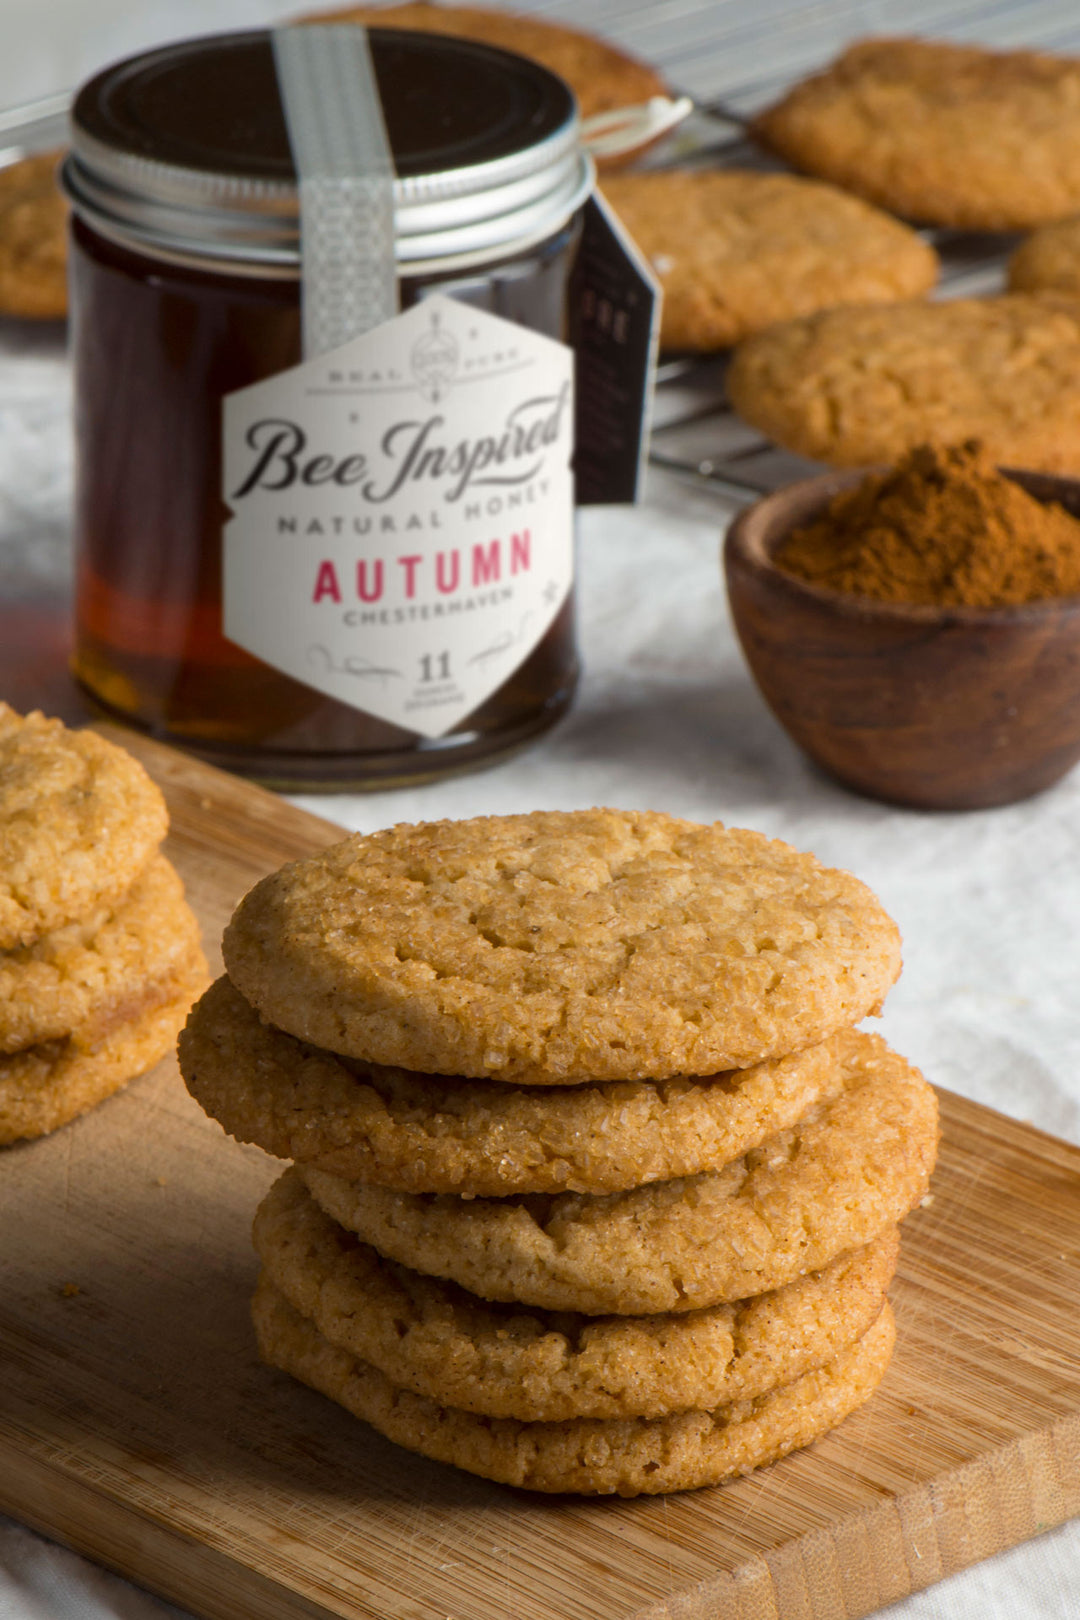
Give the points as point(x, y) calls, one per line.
point(943, 528)
point(917, 630)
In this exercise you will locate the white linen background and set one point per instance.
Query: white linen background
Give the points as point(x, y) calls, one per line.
point(667, 718)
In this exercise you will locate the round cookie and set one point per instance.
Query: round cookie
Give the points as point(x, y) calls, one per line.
point(736, 251)
point(33, 239)
point(45, 1086)
point(562, 946)
point(585, 1455)
point(437, 1340)
point(601, 76)
point(833, 1182)
point(938, 132)
point(480, 1138)
point(79, 819)
point(1048, 260)
point(91, 975)
point(861, 386)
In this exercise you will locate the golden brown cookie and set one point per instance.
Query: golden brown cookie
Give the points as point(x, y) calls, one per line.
point(943, 133)
point(1048, 260)
point(33, 239)
point(736, 251)
point(601, 76)
point(562, 946)
point(586, 1455)
point(504, 1360)
point(860, 386)
point(848, 1170)
point(427, 1133)
point(45, 1086)
point(79, 820)
point(92, 975)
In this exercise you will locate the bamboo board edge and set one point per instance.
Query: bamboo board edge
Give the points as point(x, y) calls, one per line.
point(845, 1572)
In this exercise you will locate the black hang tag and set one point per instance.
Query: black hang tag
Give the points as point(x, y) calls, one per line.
point(614, 330)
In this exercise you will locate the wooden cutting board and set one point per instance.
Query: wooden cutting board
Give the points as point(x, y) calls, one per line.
point(137, 1425)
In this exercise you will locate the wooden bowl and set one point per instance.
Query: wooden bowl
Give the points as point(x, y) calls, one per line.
point(937, 708)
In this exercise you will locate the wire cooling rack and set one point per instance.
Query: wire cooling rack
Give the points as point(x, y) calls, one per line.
point(696, 433)
point(733, 59)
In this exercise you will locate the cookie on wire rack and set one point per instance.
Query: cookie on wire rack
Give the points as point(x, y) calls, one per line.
point(33, 239)
point(939, 132)
point(861, 386)
point(737, 250)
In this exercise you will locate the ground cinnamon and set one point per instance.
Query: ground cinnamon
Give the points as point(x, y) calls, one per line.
point(943, 527)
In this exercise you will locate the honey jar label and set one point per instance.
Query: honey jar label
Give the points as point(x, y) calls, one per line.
point(401, 512)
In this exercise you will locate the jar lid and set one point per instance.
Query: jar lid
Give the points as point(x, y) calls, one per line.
point(184, 151)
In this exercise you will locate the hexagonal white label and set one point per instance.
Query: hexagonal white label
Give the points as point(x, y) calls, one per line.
point(402, 512)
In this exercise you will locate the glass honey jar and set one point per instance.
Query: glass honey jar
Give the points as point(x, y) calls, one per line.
point(186, 294)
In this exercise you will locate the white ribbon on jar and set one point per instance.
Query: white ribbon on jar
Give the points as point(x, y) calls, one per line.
point(345, 176)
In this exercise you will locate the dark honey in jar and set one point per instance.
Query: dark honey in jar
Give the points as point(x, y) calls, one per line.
point(338, 571)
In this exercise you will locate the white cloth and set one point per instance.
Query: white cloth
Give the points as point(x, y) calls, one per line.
point(41, 1581)
point(667, 718)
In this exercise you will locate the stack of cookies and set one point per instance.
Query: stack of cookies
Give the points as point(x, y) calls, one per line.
point(100, 955)
point(595, 1185)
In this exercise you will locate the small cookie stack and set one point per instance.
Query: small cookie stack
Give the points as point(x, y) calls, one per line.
point(596, 1186)
point(100, 955)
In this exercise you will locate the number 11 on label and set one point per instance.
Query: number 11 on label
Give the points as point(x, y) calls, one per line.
point(434, 668)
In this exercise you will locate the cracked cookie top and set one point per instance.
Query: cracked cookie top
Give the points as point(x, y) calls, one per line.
point(863, 385)
point(79, 820)
point(940, 132)
point(560, 947)
point(737, 250)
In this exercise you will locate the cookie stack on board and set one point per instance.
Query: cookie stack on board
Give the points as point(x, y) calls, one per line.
point(595, 1184)
point(100, 954)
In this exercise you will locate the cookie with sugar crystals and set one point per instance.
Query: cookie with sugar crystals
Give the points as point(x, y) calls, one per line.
point(1048, 260)
point(852, 1167)
point(92, 974)
point(507, 1361)
point(562, 946)
point(428, 1133)
point(939, 132)
point(601, 75)
point(33, 239)
point(45, 1086)
point(79, 820)
point(737, 250)
point(861, 386)
point(589, 1456)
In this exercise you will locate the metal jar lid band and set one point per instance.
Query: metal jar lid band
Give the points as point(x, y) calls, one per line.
point(451, 218)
